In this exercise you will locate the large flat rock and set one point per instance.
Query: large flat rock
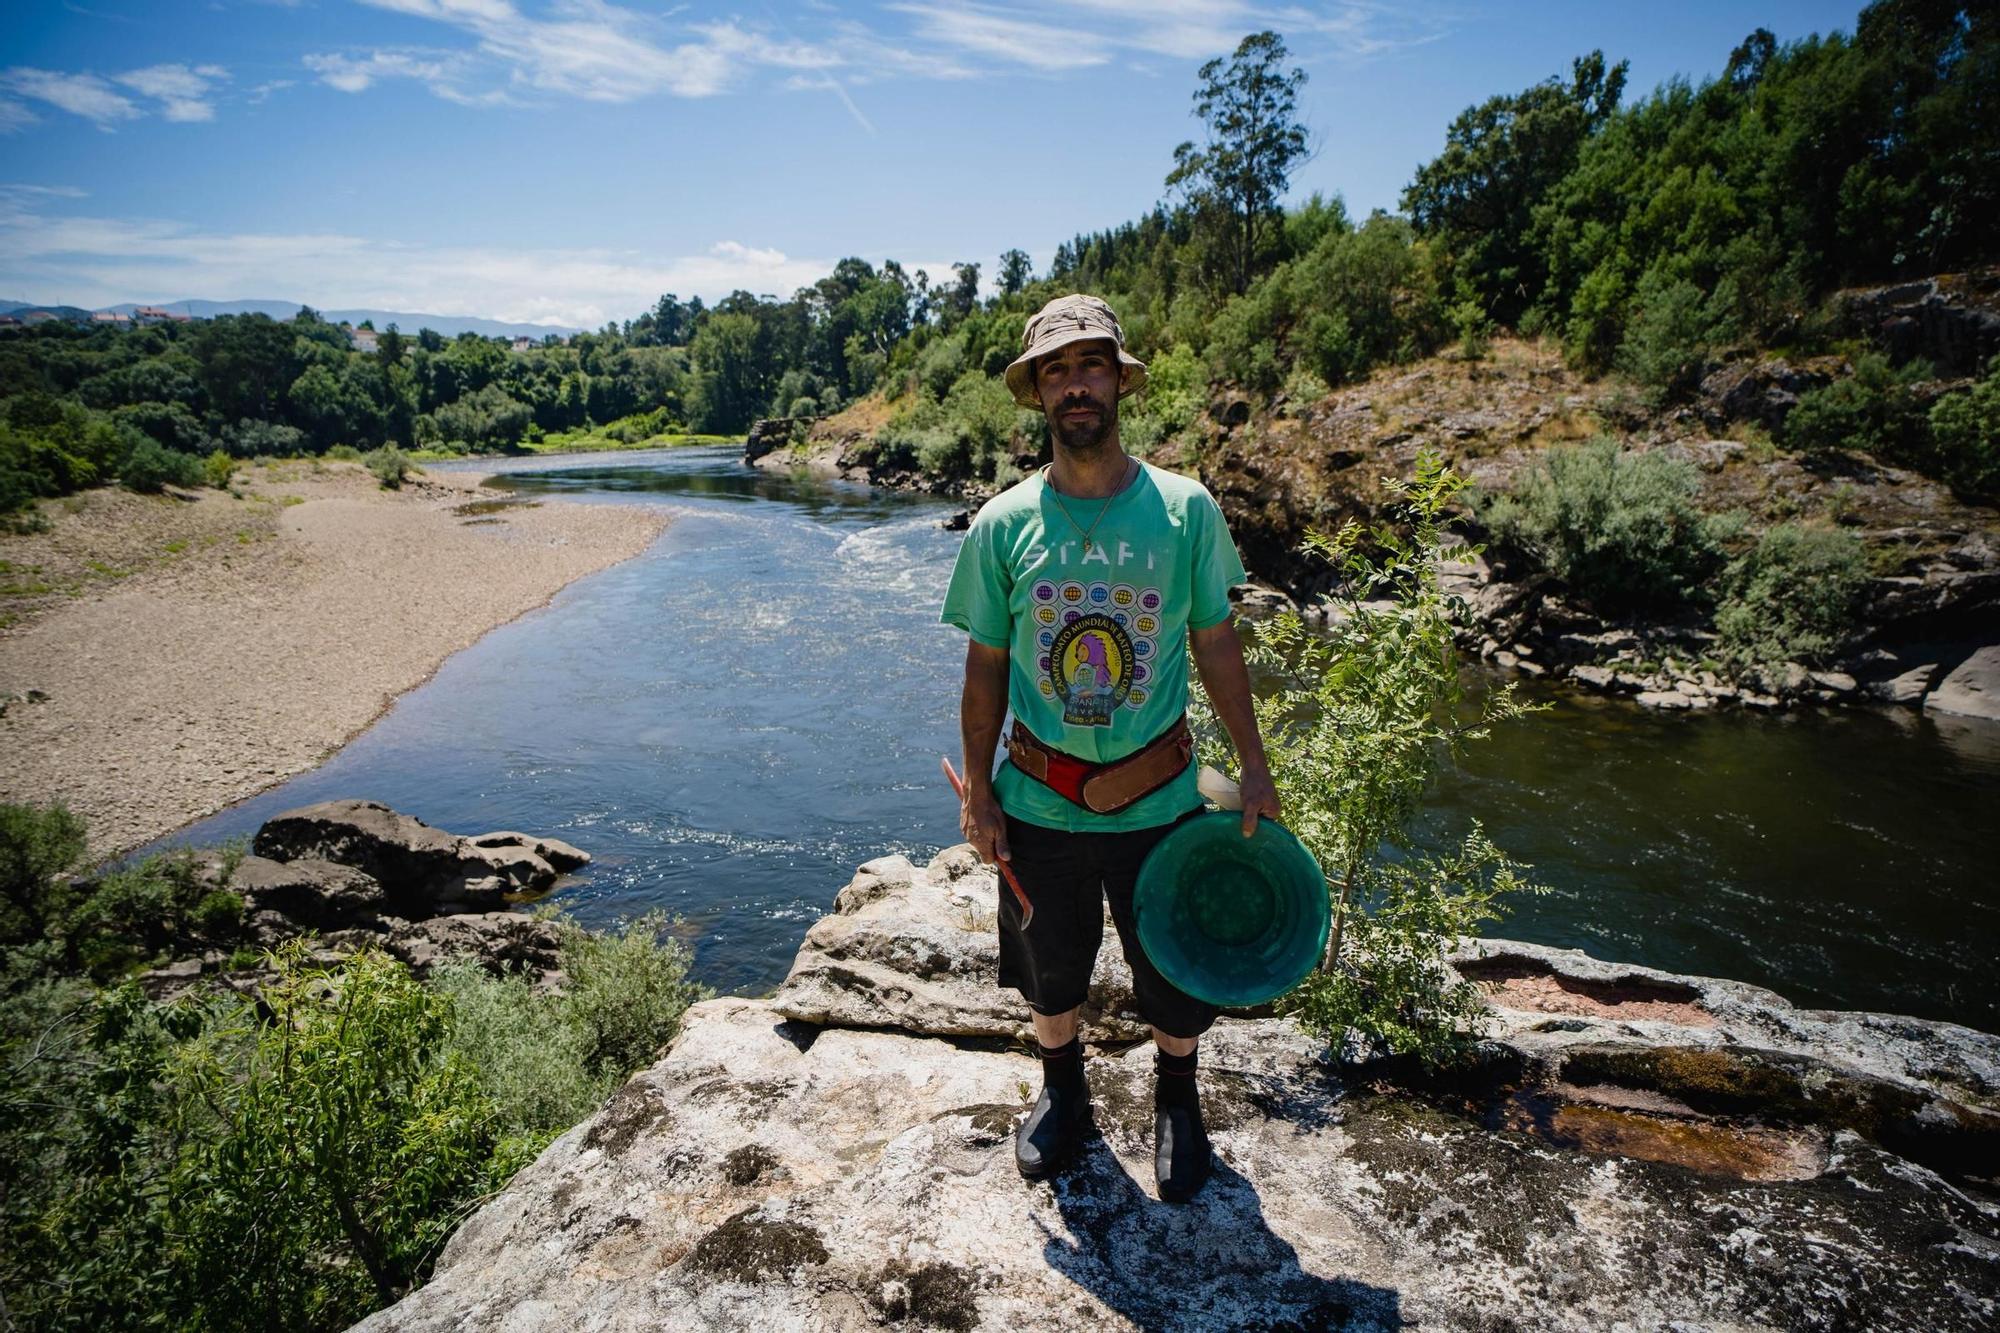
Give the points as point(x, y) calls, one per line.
point(915, 949)
point(1632, 1150)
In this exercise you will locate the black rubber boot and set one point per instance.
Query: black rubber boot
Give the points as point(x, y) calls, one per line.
point(1181, 1159)
point(1048, 1138)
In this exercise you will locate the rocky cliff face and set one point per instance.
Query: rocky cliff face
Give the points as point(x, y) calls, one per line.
point(1632, 1149)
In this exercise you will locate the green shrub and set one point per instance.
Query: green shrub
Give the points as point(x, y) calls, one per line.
point(104, 924)
point(218, 469)
point(344, 453)
point(626, 993)
point(347, 1142)
point(390, 465)
point(1362, 719)
point(1791, 597)
point(87, 1143)
point(546, 1060)
point(1475, 330)
point(39, 846)
point(1965, 437)
point(941, 364)
point(1670, 337)
point(1176, 389)
point(150, 468)
point(1874, 410)
point(1621, 528)
point(133, 914)
point(250, 438)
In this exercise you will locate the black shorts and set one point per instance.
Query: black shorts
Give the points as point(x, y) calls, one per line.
point(1068, 877)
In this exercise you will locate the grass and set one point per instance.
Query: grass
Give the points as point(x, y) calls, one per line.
point(176, 546)
point(102, 570)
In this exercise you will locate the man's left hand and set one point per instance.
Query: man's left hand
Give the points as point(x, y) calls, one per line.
point(1260, 797)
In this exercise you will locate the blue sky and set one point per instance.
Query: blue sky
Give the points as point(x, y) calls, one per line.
point(568, 160)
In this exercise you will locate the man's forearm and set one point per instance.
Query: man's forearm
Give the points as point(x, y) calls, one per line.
point(981, 710)
point(1218, 657)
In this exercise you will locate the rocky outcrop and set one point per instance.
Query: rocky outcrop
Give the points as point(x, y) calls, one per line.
point(1972, 689)
point(1952, 320)
point(771, 433)
point(1764, 392)
point(1630, 1149)
point(357, 875)
point(915, 949)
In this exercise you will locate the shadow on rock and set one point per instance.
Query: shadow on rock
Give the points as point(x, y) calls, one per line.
point(1213, 1263)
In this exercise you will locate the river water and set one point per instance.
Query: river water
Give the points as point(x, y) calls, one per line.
point(735, 719)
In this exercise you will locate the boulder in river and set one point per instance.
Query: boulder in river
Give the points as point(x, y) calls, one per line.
point(424, 870)
point(1629, 1149)
point(1972, 689)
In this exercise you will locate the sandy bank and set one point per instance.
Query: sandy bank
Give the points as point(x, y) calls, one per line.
point(198, 650)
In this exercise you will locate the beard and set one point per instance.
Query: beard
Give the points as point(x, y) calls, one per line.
point(1083, 436)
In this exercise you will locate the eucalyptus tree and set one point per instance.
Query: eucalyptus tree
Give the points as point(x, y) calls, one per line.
point(1250, 104)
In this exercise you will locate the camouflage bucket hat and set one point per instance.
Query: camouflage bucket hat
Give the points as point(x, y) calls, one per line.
point(1065, 320)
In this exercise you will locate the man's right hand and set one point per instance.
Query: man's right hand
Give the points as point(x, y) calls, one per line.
point(984, 826)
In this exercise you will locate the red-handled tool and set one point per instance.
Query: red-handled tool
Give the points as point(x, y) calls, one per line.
point(1006, 871)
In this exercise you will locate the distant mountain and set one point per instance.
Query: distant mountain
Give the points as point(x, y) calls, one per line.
point(449, 325)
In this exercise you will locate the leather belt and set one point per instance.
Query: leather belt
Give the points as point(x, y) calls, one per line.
point(1104, 789)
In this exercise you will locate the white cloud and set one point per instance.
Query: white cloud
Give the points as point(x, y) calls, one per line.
point(1077, 34)
point(183, 93)
point(1045, 46)
point(83, 95)
point(180, 92)
point(95, 261)
point(350, 75)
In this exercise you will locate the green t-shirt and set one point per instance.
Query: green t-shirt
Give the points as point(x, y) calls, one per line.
point(1097, 638)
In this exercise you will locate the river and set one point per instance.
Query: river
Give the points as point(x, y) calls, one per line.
point(735, 719)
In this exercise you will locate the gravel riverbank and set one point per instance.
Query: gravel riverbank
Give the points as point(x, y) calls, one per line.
point(197, 648)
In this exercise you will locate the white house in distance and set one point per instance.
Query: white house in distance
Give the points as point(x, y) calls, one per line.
point(362, 340)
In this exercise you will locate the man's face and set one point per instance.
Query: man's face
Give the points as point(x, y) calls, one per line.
point(1078, 384)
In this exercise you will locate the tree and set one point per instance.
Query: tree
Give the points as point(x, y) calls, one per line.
point(391, 347)
point(1254, 140)
point(1016, 271)
point(962, 297)
point(1500, 158)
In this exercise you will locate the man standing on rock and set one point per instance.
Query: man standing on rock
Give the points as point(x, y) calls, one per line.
point(1082, 589)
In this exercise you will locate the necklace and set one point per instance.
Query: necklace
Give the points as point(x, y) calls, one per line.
point(1102, 511)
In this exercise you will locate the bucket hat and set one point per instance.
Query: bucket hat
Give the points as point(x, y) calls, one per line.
point(1065, 320)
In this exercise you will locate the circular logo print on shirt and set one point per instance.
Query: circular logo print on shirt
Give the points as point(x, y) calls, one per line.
point(1071, 615)
point(1045, 591)
point(1143, 647)
point(1150, 599)
point(1045, 614)
point(1091, 664)
point(1140, 671)
point(1046, 637)
point(1048, 688)
point(1146, 624)
point(1045, 663)
point(1072, 592)
point(1136, 697)
point(1100, 593)
point(1122, 619)
point(1123, 596)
